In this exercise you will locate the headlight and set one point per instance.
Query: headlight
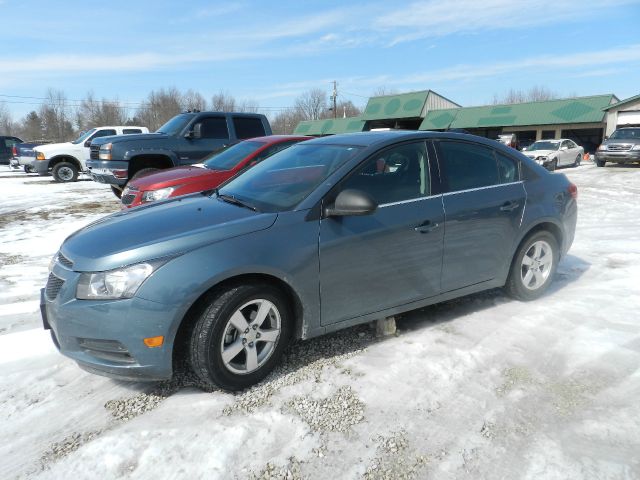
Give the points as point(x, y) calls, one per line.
point(602, 147)
point(105, 151)
point(114, 284)
point(52, 262)
point(155, 195)
point(636, 147)
point(40, 156)
point(541, 158)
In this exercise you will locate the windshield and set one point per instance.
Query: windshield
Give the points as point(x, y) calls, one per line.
point(232, 156)
point(544, 146)
point(84, 136)
point(175, 125)
point(289, 176)
point(626, 134)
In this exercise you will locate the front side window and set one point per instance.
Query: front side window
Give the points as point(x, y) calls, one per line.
point(397, 174)
point(214, 127)
point(248, 127)
point(289, 176)
point(467, 165)
point(176, 124)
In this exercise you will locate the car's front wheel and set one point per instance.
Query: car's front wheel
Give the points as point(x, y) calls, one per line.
point(65, 172)
point(533, 266)
point(240, 336)
point(600, 163)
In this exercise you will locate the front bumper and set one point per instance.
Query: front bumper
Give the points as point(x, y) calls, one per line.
point(108, 171)
point(106, 337)
point(628, 156)
point(41, 166)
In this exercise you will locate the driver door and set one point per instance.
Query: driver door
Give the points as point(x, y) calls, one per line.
point(214, 135)
point(394, 255)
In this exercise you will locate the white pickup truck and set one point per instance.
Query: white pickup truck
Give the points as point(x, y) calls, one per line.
point(66, 160)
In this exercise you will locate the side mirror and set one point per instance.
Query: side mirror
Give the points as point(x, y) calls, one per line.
point(195, 132)
point(606, 137)
point(351, 202)
point(87, 143)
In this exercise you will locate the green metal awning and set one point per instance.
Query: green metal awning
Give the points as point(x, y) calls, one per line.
point(405, 105)
point(622, 102)
point(330, 127)
point(551, 112)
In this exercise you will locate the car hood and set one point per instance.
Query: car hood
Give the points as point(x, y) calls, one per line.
point(54, 147)
point(128, 138)
point(159, 230)
point(539, 153)
point(172, 176)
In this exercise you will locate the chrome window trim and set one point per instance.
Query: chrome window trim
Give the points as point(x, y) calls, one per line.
point(482, 188)
point(411, 200)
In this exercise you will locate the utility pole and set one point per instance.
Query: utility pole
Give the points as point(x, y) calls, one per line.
point(333, 97)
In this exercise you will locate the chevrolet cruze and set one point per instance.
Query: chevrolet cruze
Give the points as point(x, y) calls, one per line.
point(328, 233)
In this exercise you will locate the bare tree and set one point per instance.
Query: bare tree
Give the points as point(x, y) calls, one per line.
point(534, 94)
point(160, 106)
point(346, 108)
point(311, 104)
point(285, 122)
point(193, 100)
point(31, 127)
point(7, 126)
point(94, 113)
point(383, 90)
point(56, 117)
point(223, 102)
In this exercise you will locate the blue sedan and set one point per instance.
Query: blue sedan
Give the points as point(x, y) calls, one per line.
point(329, 233)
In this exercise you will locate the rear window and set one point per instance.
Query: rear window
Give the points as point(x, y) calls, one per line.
point(229, 158)
point(247, 127)
point(128, 131)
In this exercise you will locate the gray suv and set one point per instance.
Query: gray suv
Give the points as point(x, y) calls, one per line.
point(327, 234)
point(623, 146)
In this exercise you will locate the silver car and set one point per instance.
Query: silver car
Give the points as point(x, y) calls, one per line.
point(552, 154)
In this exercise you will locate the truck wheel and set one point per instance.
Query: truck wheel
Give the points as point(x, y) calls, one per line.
point(116, 191)
point(533, 266)
point(600, 163)
point(240, 336)
point(28, 169)
point(65, 172)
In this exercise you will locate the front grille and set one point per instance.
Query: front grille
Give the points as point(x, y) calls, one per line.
point(95, 152)
point(54, 284)
point(128, 199)
point(616, 147)
point(110, 350)
point(64, 261)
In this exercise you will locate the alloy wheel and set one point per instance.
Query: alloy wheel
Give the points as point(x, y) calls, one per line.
point(536, 265)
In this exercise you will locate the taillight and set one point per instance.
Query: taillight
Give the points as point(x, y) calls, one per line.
point(573, 190)
point(14, 151)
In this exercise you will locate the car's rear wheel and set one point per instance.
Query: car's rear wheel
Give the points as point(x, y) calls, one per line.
point(533, 266)
point(240, 336)
point(65, 172)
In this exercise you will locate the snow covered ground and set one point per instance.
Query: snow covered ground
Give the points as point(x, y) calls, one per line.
point(481, 387)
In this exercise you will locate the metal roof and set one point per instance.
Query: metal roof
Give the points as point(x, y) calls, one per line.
point(404, 105)
point(622, 102)
point(550, 112)
point(330, 127)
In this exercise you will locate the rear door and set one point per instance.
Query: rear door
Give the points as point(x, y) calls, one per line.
point(248, 127)
point(483, 205)
point(393, 256)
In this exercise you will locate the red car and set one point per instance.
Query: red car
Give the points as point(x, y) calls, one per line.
point(214, 170)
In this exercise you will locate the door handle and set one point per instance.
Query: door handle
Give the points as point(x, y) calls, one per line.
point(509, 206)
point(426, 227)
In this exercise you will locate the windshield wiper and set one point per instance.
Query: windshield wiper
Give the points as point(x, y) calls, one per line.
point(236, 201)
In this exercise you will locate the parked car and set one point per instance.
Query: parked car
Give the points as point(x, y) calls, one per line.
point(184, 140)
point(552, 154)
point(66, 160)
point(216, 169)
point(623, 146)
point(509, 139)
point(24, 155)
point(6, 148)
point(320, 237)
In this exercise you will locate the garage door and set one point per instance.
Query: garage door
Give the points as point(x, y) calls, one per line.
point(629, 118)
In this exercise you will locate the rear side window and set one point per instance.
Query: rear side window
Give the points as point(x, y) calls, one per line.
point(103, 133)
point(214, 127)
point(467, 165)
point(507, 169)
point(128, 131)
point(247, 127)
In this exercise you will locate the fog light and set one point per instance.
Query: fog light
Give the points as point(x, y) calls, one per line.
point(153, 342)
point(120, 173)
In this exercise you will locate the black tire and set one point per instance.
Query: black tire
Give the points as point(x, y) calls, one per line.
point(64, 172)
point(143, 172)
point(117, 191)
point(553, 165)
point(515, 286)
point(576, 163)
point(212, 328)
point(29, 169)
point(600, 163)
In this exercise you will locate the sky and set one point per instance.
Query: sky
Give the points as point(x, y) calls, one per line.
point(271, 52)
